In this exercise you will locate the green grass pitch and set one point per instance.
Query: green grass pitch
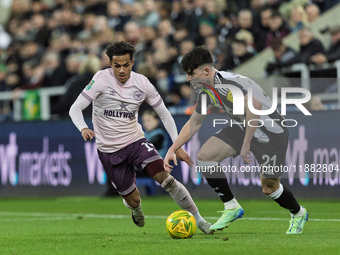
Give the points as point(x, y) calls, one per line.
point(90, 225)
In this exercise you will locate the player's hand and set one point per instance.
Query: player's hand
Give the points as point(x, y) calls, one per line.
point(170, 156)
point(87, 134)
point(181, 154)
point(245, 153)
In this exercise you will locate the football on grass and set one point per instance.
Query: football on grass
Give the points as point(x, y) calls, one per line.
point(181, 224)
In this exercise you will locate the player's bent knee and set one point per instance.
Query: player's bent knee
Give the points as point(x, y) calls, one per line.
point(202, 155)
point(161, 176)
point(267, 190)
point(154, 168)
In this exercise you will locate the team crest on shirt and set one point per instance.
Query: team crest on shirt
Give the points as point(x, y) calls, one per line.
point(138, 95)
point(90, 85)
point(230, 96)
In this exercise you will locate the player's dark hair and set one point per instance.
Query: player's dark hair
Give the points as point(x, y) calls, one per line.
point(120, 49)
point(195, 58)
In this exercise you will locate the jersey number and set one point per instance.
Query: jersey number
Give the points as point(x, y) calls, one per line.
point(268, 159)
point(148, 146)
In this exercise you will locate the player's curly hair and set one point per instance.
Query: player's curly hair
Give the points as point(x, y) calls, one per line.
point(195, 58)
point(120, 49)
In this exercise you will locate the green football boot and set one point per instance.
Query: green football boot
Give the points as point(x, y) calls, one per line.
point(296, 224)
point(227, 216)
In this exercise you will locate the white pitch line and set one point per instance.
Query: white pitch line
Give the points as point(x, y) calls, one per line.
point(70, 216)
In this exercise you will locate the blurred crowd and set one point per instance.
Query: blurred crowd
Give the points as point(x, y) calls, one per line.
point(63, 43)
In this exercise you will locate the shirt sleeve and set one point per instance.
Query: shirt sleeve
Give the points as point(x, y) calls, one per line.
point(152, 96)
point(76, 112)
point(95, 87)
point(167, 120)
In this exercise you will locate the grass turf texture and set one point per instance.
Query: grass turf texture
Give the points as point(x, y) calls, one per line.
point(89, 225)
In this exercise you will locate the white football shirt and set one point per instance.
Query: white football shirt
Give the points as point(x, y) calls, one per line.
point(115, 108)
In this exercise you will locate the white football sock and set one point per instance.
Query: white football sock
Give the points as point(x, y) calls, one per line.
point(198, 217)
point(299, 213)
point(232, 204)
point(179, 194)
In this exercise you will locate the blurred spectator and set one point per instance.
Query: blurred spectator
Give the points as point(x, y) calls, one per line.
point(51, 63)
point(148, 70)
point(181, 33)
point(239, 55)
point(298, 18)
point(5, 108)
point(151, 17)
point(313, 12)
point(132, 33)
point(218, 54)
point(256, 5)
point(225, 28)
point(185, 91)
point(278, 28)
point(172, 11)
point(263, 28)
point(309, 46)
point(246, 22)
point(89, 26)
point(33, 75)
point(179, 75)
point(5, 38)
point(117, 18)
point(75, 86)
point(314, 104)
point(154, 132)
point(324, 5)
point(246, 36)
point(282, 54)
point(166, 30)
point(245, 19)
point(333, 53)
point(206, 28)
point(61, 74)
point(138, 13)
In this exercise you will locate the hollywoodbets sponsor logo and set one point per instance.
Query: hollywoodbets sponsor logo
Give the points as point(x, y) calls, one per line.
point(119, 114)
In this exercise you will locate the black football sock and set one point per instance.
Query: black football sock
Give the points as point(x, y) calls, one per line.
point(216, 179)
point(285, 198)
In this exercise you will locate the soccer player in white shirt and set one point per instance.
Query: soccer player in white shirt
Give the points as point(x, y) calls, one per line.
point(268, 143)
point(116, 94)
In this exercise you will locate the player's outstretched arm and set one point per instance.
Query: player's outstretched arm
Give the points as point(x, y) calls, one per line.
point(171, 128)
point(189, 129)
point(250, 130)
point(167, 120)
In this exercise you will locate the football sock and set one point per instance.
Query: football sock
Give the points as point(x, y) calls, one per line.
point(300, 213)
point(232, 204)
point(216, 179)
point(285, 198)
point(198, 217)
point(179, 194)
